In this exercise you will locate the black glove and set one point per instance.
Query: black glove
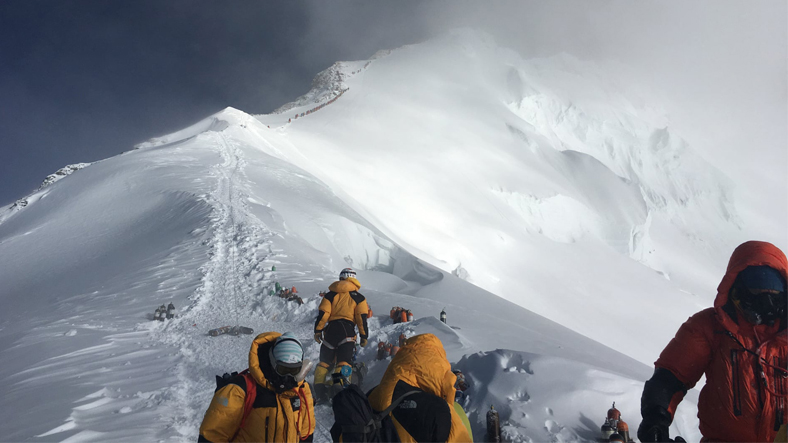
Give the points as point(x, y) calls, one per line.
point(658, 392)
point(653, 431)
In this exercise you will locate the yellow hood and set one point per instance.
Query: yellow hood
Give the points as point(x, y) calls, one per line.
point(421, 363)
point(254, 361)
point(347, 285)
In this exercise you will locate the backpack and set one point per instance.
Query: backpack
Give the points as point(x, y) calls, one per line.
point(356, 421)
point(251, 393)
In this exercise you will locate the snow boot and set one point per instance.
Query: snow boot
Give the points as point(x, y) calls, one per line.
point(321, 394)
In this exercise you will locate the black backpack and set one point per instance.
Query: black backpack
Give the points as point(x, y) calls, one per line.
point(356, 421)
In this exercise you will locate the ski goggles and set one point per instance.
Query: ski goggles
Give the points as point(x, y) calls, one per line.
point(284, 369)
point(763, 307)
point(764, 300)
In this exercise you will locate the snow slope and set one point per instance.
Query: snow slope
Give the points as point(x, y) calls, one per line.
point(537, 180)
point(201, 222)
point(566, 231)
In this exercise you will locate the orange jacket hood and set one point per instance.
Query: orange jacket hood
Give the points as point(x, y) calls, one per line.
point(751, 253)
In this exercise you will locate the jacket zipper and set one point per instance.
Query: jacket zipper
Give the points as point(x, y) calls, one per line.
point(779, 387)
point(266, 427)
point(284, 419)
point(735, 382)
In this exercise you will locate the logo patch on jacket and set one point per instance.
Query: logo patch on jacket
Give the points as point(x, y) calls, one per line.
point(408, 404)
point(223, 401)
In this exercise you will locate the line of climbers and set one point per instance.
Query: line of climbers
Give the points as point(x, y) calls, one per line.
point(362, 68)
point(270, 401)
point(740, 345)
point(319, 107)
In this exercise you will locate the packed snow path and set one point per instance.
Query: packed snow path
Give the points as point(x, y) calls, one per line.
point(234, 292)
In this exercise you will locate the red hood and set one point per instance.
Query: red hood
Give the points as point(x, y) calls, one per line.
point(751, 253)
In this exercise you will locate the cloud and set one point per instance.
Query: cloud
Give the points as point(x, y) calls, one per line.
point(718, 68)
point(149, 67)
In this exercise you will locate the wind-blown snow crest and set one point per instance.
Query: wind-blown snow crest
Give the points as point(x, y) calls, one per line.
point(539, 178)
point(40, 192)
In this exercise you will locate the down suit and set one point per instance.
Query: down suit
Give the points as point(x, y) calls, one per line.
point(744, 399)
point(287, 416)
point(342, 310)
point(429, 415)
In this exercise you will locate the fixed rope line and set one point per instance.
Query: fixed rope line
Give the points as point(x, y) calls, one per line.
point(235, 275)
point(234, 285)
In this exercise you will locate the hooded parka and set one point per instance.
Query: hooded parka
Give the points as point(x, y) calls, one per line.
point(429, 415)
point(744, 399)
point(288, 416)
point(344, 302)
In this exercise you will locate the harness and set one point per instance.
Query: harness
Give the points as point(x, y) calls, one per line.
point(341, 342)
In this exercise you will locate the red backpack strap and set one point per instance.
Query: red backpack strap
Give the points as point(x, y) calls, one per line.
point(251, 393)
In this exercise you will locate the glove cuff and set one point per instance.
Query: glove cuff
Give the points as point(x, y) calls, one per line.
point(656, 415)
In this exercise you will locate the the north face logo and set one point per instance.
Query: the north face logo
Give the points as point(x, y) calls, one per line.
point(408, 404)
point(223, 401)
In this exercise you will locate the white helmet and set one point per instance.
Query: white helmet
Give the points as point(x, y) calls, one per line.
point(346, 273)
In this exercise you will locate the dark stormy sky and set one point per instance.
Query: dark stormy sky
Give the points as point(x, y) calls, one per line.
point(85, 80)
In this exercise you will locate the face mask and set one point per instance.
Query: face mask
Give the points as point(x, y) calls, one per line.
point(287, 382)
point(284, 383)
point(763, 308)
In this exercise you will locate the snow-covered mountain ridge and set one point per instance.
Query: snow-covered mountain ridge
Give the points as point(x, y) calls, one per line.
point(450, 173)
point(536, 178)
point(203, 220)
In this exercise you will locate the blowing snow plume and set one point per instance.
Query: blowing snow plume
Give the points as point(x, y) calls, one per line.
point(538, 179)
